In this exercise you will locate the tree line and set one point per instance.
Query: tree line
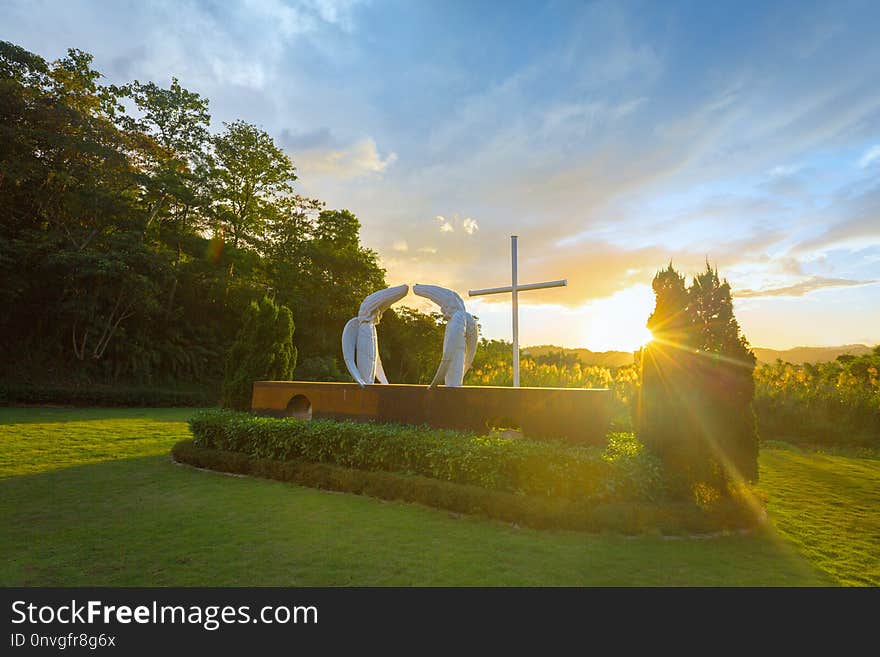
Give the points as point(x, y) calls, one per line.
point(134, 239)
point(831, 403)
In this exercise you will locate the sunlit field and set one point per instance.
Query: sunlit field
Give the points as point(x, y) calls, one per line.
point(91, 497)
point(822, 404)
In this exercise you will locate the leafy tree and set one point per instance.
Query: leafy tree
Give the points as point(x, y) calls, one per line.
point(493, 356)
point(122, 223)
point(250, 173)
point(262, 351)
point(176, 118)
point(670, 321)
point(411, 344)
point(695, 406)
point(561, 359)
point(68, 193)
point(317, 266)
point(170, 143)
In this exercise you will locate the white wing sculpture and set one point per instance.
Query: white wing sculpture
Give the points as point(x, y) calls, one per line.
point(460, 340)
point(360, 344)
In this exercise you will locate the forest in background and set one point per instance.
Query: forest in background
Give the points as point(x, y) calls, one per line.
point(133, 239)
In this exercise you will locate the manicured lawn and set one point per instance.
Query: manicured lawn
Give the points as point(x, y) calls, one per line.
point(829, 507)
point(90, 497)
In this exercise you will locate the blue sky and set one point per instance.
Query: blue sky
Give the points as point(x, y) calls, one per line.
point(612, 137)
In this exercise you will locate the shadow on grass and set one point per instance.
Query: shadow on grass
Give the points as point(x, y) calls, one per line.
point(146, 521)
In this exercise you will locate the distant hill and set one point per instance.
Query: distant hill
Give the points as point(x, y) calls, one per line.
point(586, 357)
point(796, 355)
point(800, 355)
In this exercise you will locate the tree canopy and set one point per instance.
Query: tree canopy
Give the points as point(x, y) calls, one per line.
point(133, 239)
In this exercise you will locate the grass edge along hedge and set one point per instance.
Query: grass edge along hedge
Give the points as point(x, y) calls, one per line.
point(668, 518)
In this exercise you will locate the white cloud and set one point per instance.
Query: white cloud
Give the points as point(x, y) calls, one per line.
point(304, 16)
point(359, 159)
point(871, 156)
point(236, 72)
point(289, 20)
point(400, 245)
point(448, 225)
point(783, 170)
point(427, 249)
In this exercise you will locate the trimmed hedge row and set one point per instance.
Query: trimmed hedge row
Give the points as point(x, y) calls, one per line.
point(541, 512)
point(103, 395)
point(622, 471)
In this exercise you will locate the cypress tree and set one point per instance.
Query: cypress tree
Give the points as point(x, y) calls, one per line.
point(263, 351)
point(695, 406)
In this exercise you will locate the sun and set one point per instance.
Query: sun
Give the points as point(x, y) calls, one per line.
point(617, 323)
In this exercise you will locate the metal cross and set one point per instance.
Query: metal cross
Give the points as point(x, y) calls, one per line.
point(515, 288)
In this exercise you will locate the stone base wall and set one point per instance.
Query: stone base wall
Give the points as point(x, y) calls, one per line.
point(576, 415)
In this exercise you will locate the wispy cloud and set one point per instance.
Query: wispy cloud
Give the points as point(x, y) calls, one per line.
point(856, 222)
point(803, 287)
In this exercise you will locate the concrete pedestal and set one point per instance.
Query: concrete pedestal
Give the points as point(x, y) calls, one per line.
point(576, 415)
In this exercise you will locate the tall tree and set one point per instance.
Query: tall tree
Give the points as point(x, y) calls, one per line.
point(251, 174)
point(725, 367)
point(263, 350)
point(317, 266)
point(69, 190)
point(670, 321)
point(171, 147)
point(695, 406)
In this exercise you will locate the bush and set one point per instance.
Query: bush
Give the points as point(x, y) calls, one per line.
point(262, 351)
point(623, 471)
point(320, 368)
point(529, 510)
point(102, 395)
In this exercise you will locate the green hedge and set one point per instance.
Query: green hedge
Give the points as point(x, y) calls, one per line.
point(104, 395)
point(529, 510)
point(622, 471)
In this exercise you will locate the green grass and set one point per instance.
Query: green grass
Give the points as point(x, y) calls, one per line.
point(828, 506)
point(91, 497)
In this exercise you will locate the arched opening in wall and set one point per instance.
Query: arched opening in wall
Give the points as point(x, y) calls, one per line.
point(299, 407)
point(504, 426)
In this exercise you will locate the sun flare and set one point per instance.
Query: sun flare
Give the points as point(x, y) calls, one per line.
point(618, 322)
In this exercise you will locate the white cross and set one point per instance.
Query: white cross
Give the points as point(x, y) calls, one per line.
point(515, 288)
